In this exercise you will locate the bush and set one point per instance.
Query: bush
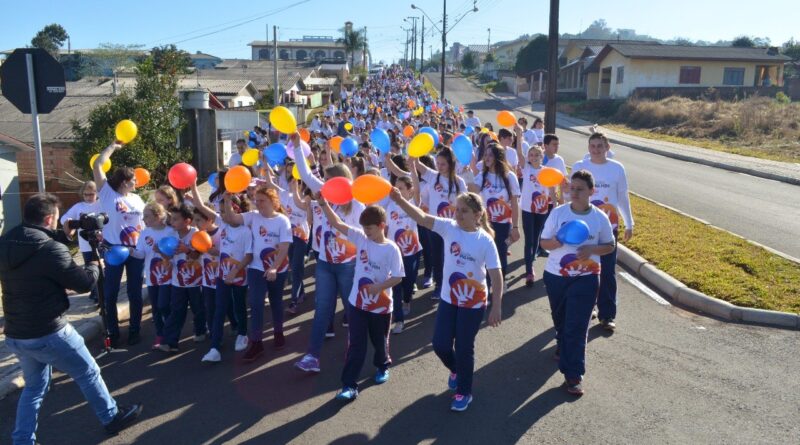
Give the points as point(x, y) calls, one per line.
point(782, 98)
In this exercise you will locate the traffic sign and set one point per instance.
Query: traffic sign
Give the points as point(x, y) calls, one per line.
point(48, 80)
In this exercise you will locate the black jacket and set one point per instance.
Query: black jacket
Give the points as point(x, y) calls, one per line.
point(35, 272)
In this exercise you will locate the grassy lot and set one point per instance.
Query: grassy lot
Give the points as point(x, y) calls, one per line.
point(430, 88)
point(714, 262)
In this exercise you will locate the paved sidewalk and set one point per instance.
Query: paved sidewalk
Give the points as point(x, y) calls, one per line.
point(764, 168)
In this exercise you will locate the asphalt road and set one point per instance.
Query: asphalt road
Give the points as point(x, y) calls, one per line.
point(666, 376)
point(762, 210)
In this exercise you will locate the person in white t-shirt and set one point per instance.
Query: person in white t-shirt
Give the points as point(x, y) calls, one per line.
point(535, 134)
point(124, 209)
point(611, 196)
point(470, 253)
point(379, 267)
point(88, 192)
point(266, 274)
point(472, 120)
point(236, 156)
point(571, 275)
point(506, 139)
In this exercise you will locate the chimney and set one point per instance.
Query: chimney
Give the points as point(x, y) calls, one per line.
point(772, 51)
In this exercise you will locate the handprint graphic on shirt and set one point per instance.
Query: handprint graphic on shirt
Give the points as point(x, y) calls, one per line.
point(466, 292)
point(499, 210)
point(160, 271)
point(609, 210)
point(226, 267)
point(338, 250)
point(571, 266)
point(210, 270)
point(268, 256)
point(189, 273)
point(298, 232)
point(128, 236)
point(539, 203)
point(407, 241)
point(445, 210)
point(379, 303)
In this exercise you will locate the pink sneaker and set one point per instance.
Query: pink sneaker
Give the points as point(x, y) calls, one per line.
point(157, 342)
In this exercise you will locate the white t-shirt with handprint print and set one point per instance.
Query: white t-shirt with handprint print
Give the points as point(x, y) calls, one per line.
point(402, 228)
point(467, 256)
point(441, 197)
point(496, 197)
point(125, 215)
point(564, 261)
point(235, 243)
point(157, 270)
point(187, 272)
point(211, 262)
point(375, 263)
point(535, 197)
point(267, 234)
point(297, 216)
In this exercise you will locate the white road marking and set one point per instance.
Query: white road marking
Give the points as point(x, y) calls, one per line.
point(645, 290)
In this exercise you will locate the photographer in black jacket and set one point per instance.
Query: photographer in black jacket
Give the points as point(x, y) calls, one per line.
point(35, 272)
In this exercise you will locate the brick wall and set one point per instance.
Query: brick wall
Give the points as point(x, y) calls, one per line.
point(57, 163)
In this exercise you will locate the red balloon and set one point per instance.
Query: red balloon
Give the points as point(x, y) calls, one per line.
point(338, 190)
point(182, 175)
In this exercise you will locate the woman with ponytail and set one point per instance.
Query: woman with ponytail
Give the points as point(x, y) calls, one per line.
point(470, 253)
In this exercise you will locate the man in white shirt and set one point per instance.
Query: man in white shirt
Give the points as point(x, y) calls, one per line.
point(236, 157)
point(471, 120)
point(611, 196)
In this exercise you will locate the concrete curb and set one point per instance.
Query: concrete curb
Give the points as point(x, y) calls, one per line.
point(89, 329)
point(677, 291)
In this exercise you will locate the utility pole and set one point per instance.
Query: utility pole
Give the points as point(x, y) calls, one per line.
point(422, 47)
point(276, 87)
point(552, 70)
point(444, 44)
point(405, 57)
point(414, 44)
point(488, 41)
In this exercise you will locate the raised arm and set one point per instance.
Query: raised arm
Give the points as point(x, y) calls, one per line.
point(305, 172)
point(228, 215)
point(413, 211)
point(208, 212)
point(298, 201)
point(333, 218)
point(392, 167)
point(97, 169)
point(422, 168)
point(269, 181)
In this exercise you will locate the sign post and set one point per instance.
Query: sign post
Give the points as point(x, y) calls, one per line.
point(33, 81)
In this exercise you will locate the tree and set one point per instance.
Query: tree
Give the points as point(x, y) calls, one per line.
point(50, 38)
point(105, 60)
point(468, 62)
point(170, 59)
point(489, 58)
point(532, 57)
point(155, 108)
point(743, 42)
point(791, 48)
point(353, 41)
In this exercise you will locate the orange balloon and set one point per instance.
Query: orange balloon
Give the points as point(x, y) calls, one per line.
point(337, 190)
point(237, 179)
point(379, 110)
point(493, 135)
point(370, 189)
point(408, 131)
point(304, 134)
point(201, 241)
point(411, 103)
point(550, 177)
point(506, 118)
point(336, 143)
point(142, 176)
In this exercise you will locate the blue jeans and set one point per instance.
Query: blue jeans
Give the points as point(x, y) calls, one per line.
point(113, 277)
point(571, 303)
point(425, 240)
point(607, 296)
point(66, 351)
point(331, 279)
point(459, 326)
point(159, 305)
point(179, 299)
point(223, 296)
point(362, 325)
point(402, 292)
point(437, 257)
point(532, 226)
point(89, 256)
point(297, 255)
point(259, 286)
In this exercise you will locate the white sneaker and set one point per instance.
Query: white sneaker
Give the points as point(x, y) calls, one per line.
point(241, 343)
point(398, 327)
point(212, 356)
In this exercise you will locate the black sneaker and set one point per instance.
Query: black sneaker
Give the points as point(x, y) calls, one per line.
point(254, 350)
point(574, 387)
point(114, 341)
point(125, 417)
point(133, 338)
point(557, 354)
point(279, 341)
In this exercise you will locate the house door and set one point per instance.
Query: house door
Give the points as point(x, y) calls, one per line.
point(605, 82)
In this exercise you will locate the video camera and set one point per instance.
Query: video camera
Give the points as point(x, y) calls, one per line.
point(89, 222)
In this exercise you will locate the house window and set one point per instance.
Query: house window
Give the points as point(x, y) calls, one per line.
point(733, 76)
point(263, 54)
point(284, 55)
point(319, 54)
point(301, 54)
point(690, 74)
point(620, 74)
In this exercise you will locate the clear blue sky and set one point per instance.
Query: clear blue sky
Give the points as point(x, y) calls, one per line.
point(148, 22)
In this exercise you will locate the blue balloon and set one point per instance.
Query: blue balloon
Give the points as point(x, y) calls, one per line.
point(275, 153)
point(469, 130)
point(251, 143)
point(428, 108)
point(353, 121)
point(117, 255)
point(349, 147)
point(431, 132)
point(168, 245)
point(212, 180)
point(574, 232)
point(380, 139)
point(462, 147)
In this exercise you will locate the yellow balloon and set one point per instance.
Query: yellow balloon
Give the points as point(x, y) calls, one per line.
point(421, 145)
point(250, 157)
point(484, 130)
point(106, 165)
point(283, 120)
point(348, 126)
point(296, 172)
point(126, 131)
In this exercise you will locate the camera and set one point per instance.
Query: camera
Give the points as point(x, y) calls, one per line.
point(89, 222)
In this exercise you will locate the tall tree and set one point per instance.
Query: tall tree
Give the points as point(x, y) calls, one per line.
point(354, 41)
point(532, 56)
point(155, 108)
point(50, 38)
point(170, 59)
point(743, 42)
point(468, 62)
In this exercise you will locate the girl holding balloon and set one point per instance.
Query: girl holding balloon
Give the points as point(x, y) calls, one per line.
point(158, 265)
point(336, 256)
point(125, 211)
point(577, 235)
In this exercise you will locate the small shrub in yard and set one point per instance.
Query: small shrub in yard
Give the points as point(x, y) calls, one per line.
point(782, 98)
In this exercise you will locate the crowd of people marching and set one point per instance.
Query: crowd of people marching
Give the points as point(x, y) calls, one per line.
point(448, 215)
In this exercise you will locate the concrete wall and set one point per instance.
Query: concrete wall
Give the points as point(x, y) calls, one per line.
point(11, 210)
